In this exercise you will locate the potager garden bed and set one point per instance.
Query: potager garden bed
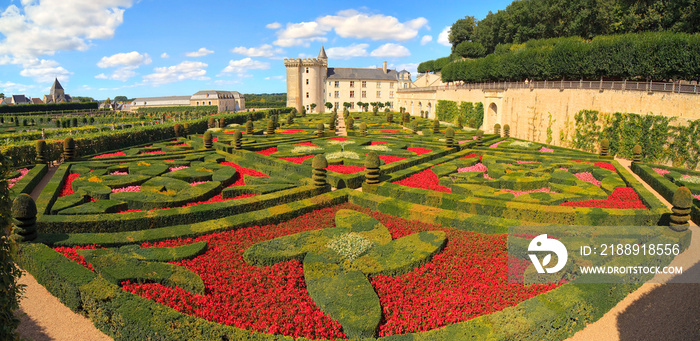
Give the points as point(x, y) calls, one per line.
point(249, 239)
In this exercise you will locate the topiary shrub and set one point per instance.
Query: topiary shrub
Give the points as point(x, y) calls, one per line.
point(211, 123)
point(208, 140)
point(372, 164)
point(68, 149)
point(389, 117)
point(375, 110)
point(506, 130)
point(319, 130)
point(41, 152)
point(436, 126)
point(290, 119)
point(406, 118)
point(249, 128)
point(237, 140)
point(331, 123)
point(24, 218)
point(303, 111)
point(319, 164)
point(222, 122)
point(350, 123)
point(178, 130)
point(479, 138)
point(270, 127)
point(363, 129)
point(682, 202)
point(637, 153)
point(450, 137)
point(497, 129)
point(460, 124)
point(414, 127)
point(604, 147)
point(186, 129)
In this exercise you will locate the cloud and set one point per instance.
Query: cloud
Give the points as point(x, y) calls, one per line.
point(443, 37)
point(273, 26)
point(349, 24)
point(199, 53)
point(44, 27)
point(164, 55)
point(102, 76)
point(274, 78)
point(265, 50)
point(183, 71)
point(354, 50)
point(126, 59)
point(242, 66)
point(13, 88)
point(391, 50)
point(410, 67)
point(426, 39)
point(44, 71)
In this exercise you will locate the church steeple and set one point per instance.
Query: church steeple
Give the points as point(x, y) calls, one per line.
point(322, 54)
point(56, 86)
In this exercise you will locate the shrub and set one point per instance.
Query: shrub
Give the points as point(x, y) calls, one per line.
point(68, 149)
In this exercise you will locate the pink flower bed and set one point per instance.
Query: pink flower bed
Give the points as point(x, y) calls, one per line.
point(177, 168)
point(564, 169)
point(661, 172)
point(153, 152)
point(197, 183)
point(479, 167)
point(343, 169)
point(119, 153)
point(308, 144)
point(22, 172)
point(495, 145)
point(519, 193)
point(297, 159)
point(696, 196)
point(546, 150)
point(588, 177)
point(127, 189)
point(119, 173)
point(267, 151)
point(339, 139)
point(418, 150)
point(375, 143)
point(522, 161)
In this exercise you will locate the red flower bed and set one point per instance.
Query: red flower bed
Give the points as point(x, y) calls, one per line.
point(343, 169)
point(292, 131)
point(67, 188)
point(621, 197)
point(605, 165)
point(339, 139)
point(471, 156)
point(297, 159)
point(181, 145)
point(374, 143)
point(389, 130)
point(72, 253)
point(581, 161)
point(309, 144)
point(467, 279)
point(153, 152)
point(426, 179)
point(390, 159)
point(119, 153)
point(267, 151)
point(418, 150)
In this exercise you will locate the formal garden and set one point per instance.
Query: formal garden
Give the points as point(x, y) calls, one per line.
point(266, 225)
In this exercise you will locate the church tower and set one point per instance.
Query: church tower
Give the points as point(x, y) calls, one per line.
point(306, 79)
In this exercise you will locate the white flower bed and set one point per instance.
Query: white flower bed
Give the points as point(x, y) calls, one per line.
point(350, 245)
point(692, 179)
point(520, 144)
point(342, 155)
point(379, 148)
point(341, 143)
point(306, 149)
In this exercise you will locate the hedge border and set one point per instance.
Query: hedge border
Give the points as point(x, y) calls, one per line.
point(665, 187)
point(30, 180)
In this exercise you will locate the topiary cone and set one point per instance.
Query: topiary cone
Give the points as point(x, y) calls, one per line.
point(186, 128)
point(249, 128)
point(178, 129)
point(414, 127)
point(208, 140)
point(319, 164)
point(497, 129)
point(270, 127)
point(450, 137)
point(682, 202)
point(372, 164)
point(331, 123)
point(506, 130)
point(237, 140)
point(389, 117)
point(479, 138)
point(41, 152)
point(350, 123)
point(436, 126)
point(363, 129)
point(24, 218)
point(319, 130)
point(68, 149)
point(290, 119)
point(637, 153)
point(604, 147)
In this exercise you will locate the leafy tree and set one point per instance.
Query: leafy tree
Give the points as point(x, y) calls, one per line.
point(313, 106)
point(329, 105)
point(468, 49)
point(2, 95)
point(462, 30)
point(346, 105)
point(121, 99)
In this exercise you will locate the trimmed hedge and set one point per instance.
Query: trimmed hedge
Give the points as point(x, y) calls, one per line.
point(29, 181)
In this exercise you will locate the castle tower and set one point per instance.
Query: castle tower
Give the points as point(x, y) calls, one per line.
point(57, 90)
point(306, 80)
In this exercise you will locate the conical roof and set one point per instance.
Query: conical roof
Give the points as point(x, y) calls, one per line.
point(56, 86)
point(322, 53)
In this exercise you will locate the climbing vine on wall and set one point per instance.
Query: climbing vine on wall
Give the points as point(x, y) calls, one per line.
point(471, 114)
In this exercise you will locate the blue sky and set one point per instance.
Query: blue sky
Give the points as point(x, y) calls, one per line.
point(106, 48)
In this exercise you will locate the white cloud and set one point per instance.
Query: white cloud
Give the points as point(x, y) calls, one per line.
point(102, 76)
point(274, 78)
point(183, 71)
point(426, 39)
point(44, 71)
point(349, 24)
point(347, 52)
point(45, 27)
point(199, 53)
point(126, 59)
point(391, 50)
point(273, 26)
point(265, 50)
point(443, 37)
point(227, 81)
point(242, 66)
point(164, 55)
point(353, 24)
point(13, 88)
point(410, 67)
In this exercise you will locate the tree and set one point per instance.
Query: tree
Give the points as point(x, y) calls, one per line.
point(2, 95)
point(361, 105)
point(462, 30)
point(313, 106)
point(468, 49)
point(329, 105)
point(121, 99)
point(346, 105)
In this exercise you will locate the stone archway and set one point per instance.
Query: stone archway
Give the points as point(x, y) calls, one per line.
point(491, 116)
point(428, 111)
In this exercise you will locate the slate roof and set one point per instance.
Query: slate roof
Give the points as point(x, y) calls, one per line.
point(20, 99)
point(56, 86)
point(361, 74)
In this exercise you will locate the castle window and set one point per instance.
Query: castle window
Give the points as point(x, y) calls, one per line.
point(391, 85)
point(379, 94)
point(379, 85)
point(364, 84)
point(307, 70)
point(209, 102)
point(337, 104)
point(405, 85)
point(391, 94)
point(307, 81)
point(352, 84)
point(352, 94)
point(337, 84)
point(307, 95)
point(364, 94)
point(337, 94)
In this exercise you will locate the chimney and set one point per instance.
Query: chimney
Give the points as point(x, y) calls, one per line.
point(384, 66)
